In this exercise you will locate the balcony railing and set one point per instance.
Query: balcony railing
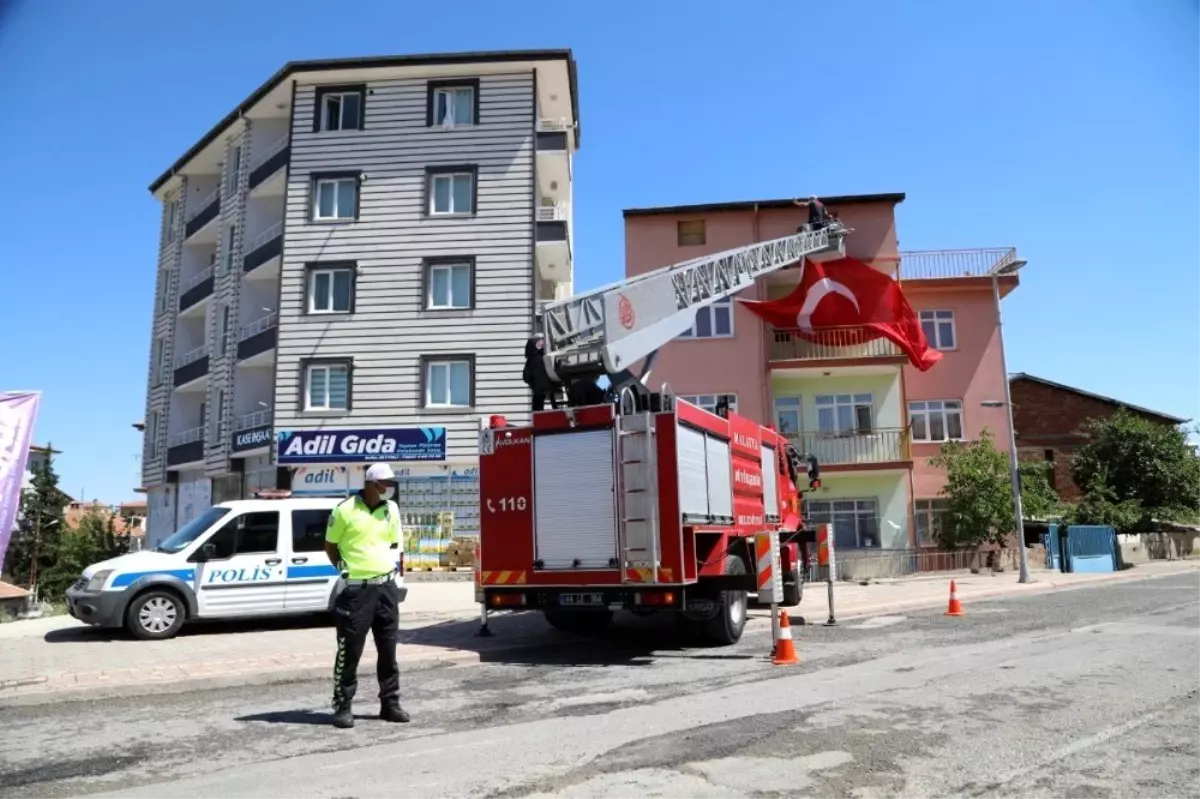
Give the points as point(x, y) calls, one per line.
point(203, 204)
point(554, 125)
point(196, 280)
point(885, 445)
point(258, 325)
point(256, 419)
point(185, 437)
point(271, 150)
point(946, 264)
point(266, 236)
point(833, 343)
point(191, 356)
point(552, 213)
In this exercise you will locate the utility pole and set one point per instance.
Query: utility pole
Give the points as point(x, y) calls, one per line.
point(37, 546)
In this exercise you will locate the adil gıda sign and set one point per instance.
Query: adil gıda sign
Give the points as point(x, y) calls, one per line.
point(386, 444)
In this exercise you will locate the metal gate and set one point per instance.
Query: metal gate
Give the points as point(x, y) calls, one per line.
point(1082, 549)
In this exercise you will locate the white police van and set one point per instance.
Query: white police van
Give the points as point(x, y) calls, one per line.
point(238, 560)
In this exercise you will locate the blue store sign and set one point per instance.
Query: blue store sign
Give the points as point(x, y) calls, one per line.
point(386, 444)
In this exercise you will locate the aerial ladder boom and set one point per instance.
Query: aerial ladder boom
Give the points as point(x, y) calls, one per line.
point(607, 330)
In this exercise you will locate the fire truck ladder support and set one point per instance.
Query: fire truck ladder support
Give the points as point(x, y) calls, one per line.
point(607, 330)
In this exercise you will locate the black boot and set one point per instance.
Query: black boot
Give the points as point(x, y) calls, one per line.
point(391, 711)
point(343, 717)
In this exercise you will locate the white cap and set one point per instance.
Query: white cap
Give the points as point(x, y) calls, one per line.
point(380, 473)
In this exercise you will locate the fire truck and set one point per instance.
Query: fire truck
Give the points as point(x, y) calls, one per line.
point(643, 502)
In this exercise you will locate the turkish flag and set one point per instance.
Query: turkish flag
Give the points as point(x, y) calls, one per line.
point(846, 302)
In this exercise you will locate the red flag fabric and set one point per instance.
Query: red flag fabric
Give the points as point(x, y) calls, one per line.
point(846, 302)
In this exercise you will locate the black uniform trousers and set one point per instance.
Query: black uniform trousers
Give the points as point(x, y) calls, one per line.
point(360, 609)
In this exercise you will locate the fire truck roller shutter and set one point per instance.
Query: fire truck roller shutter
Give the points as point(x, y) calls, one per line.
point(693, 472)
point(575, 517)
point(720, 480)
point(770, 477)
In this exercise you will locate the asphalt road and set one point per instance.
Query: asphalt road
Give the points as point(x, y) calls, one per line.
point(1087, 692)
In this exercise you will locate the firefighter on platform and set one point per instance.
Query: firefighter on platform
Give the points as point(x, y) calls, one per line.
point(361, 534)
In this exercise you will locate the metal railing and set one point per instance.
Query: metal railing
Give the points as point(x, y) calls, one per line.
point(944, 264)
point(877, 564)
point(196, 280)
point(552, 125)
point(256, 419)
point(185, 437)
point(269, 152)
point(886, 445)
point(266, 236)
point(831, 343)
point(258, 325)
point(202, 204)
point(552, 213)
point(191, 356)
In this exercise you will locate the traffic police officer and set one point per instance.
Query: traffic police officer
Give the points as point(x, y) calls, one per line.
point(361, 535)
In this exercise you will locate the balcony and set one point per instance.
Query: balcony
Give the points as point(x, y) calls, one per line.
point(553, 136)
point(191, 366)
point(263, 247)
point(847, 343)
point(273, 158)
point(856, 448)
point(957, 264)
point(195, 289)
point(205, 211)
point(186, 446)
point(257, 338)
point(252, 431)
point(553, 251)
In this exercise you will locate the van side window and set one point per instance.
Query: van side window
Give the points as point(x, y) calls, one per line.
point(259, 533)
point(224, 540)
point(308, 529)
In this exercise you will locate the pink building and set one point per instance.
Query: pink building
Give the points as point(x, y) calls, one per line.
point(871, 418)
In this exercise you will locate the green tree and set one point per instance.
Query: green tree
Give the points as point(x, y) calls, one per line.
point(1038, 499)
point(93, 540)
point(978, 493)
point(41, 524)
point(1129, 458)
point(1100, 505)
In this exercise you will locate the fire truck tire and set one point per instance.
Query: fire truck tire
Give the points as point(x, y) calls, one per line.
point(578, 621)
point(726, 626)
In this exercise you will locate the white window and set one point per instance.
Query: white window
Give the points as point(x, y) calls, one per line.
point(337, 198)
point(161, 367)
point(713, 321)
point(787, 415)
point(235, 166)
point(230, 238)
point(454, 105)
point(855, 522)
point(931, 517)
point(448, 383)
point(329, 290)
point(220, 412)
point(709, 401)
point(452, 193)
point(223, 344)
point(202, 418)
point(327, 387)
point(169, 219)
point(341, 110)
point(449, 286)
point(152, 429)
point(936, 420)
point(844, 413)
point(939, 329)
point(690, 232)
point(164, 289)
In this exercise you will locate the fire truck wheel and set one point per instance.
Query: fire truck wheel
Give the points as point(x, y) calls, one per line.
point(726, 626)
point(578, 621)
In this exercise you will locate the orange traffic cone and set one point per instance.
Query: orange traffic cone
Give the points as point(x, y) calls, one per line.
point(785, 649)
point(955, 608)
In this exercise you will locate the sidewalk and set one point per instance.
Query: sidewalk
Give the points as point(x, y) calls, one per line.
point(58, 658)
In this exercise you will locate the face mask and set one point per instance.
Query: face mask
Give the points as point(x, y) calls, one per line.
point(385, 491)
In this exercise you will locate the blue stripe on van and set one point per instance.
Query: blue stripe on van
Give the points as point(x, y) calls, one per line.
point(128, 578)
point(301, 572)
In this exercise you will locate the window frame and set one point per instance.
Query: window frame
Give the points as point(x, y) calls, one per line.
point(429, 265)
point(324, 92)
point(321, 528)
point(434, 86)
point(430, 360)
point(711, 310)
point(856, 402)
point(233, 169)
point(152, 448)
point(313, 268)
point(711, 407)
point(161, 366)
point(230, 247)
point(223, 333)
point(449, 170)
point(170, 217)
point(315, 181)
point(798, 408)
point(925, 412)
point(810, 517)
point(307, 365)
point(936, 342)
point(923, 508)
point(680, 235)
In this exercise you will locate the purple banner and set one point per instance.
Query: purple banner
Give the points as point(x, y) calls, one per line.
point(17, 414)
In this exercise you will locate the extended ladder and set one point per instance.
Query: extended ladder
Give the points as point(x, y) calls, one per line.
point(607, 330)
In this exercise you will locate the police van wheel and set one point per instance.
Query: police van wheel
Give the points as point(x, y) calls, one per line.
point(155, 615)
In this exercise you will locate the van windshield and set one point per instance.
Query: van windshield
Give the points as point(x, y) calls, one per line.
point(192, 530)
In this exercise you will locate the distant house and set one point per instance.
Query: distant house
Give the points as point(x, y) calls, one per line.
point(12, 600)
point(1050, 422)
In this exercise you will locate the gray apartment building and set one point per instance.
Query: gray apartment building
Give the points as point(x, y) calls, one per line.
point(351, 261)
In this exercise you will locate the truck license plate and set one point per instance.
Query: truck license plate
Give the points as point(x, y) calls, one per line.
point(581, 599)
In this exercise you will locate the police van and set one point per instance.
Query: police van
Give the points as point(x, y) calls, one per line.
point(238, 560)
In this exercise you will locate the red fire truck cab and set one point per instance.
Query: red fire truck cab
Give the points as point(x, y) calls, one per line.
point(600, 508)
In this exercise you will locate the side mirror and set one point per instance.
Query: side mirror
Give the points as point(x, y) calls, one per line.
point(208, 551)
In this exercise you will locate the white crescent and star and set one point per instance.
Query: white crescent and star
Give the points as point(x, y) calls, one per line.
point(817, 292)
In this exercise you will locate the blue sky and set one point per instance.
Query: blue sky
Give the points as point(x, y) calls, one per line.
point(1068, 129)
